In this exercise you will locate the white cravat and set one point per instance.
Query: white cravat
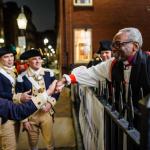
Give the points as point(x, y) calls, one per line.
point(36, 73)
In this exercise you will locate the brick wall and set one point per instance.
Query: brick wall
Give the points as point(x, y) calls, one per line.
point(106, 17)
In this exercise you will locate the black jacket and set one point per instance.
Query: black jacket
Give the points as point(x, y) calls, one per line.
point(139, 77)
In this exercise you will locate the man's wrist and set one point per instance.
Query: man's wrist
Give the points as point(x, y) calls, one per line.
point(49, 93)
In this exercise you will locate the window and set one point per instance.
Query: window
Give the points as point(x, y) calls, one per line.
point(83, 2)
point(82, 45)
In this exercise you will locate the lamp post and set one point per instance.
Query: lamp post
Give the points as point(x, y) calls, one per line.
point(45, 41)
point(22, 24)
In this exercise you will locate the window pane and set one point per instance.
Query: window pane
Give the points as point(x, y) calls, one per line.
point(82, 45)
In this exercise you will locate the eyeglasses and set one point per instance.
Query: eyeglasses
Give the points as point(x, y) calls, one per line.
point(118, 44)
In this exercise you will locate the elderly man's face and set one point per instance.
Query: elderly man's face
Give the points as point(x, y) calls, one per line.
point(122, 47)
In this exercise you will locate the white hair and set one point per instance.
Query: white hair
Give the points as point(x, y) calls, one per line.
point(133, 34)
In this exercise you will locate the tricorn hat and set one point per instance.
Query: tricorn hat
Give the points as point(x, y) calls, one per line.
point(104, 45)
point(7, 49)
point(30, 53)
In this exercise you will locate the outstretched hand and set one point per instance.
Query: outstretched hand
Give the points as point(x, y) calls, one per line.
point(56, 86)
point(60, 84)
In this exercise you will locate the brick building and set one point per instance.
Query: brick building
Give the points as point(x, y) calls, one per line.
point(103, 18)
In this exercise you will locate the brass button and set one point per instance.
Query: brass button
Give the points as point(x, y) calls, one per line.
point(39, 103)
point(41, 90)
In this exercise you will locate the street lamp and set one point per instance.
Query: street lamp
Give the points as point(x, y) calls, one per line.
point(45, 41)
point(22, 20)
point(22, 24)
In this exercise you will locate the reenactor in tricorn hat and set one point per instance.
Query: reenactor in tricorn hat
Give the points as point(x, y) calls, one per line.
point(105, 49)
point(7, 91)
point(9, 110)
point(37, 79)
point(103, 53)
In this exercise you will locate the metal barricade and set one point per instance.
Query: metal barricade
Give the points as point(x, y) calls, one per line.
point(108, 123)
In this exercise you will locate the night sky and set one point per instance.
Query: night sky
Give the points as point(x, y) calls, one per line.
point(42, 12)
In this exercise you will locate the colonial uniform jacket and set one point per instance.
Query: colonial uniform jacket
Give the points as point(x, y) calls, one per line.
point(8, 110)
point(7, 83)
point(23, 84)
point(5, 87)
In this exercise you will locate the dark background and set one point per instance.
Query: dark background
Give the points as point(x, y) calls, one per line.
point(43, 12)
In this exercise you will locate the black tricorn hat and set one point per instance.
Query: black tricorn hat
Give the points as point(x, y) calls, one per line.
point(104, 45)
point(30, 53)
point(7, 49)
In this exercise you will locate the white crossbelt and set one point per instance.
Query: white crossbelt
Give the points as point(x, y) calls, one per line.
point(37, 87)
point(34, 83)
point(8, 76)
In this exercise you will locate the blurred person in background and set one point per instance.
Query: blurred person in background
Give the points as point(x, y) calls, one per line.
point(102, 54)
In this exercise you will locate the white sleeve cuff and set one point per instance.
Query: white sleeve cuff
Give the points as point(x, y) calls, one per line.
point(40, 99)
point(51, 100)
point(16, 98)
point(67, 79)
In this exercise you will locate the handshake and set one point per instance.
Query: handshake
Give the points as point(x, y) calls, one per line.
point(56, 86)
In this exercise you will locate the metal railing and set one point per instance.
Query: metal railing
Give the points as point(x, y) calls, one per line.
point(125, 126)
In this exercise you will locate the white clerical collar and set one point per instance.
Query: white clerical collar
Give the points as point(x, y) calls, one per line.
point(126, 62)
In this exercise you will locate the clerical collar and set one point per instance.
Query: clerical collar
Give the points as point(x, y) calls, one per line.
point(130, 59)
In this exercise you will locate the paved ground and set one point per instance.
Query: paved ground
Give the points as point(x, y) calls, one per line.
point(63, 126)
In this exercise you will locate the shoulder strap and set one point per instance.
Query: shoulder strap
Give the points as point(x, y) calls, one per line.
point(9, 77)
point(34, 83)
